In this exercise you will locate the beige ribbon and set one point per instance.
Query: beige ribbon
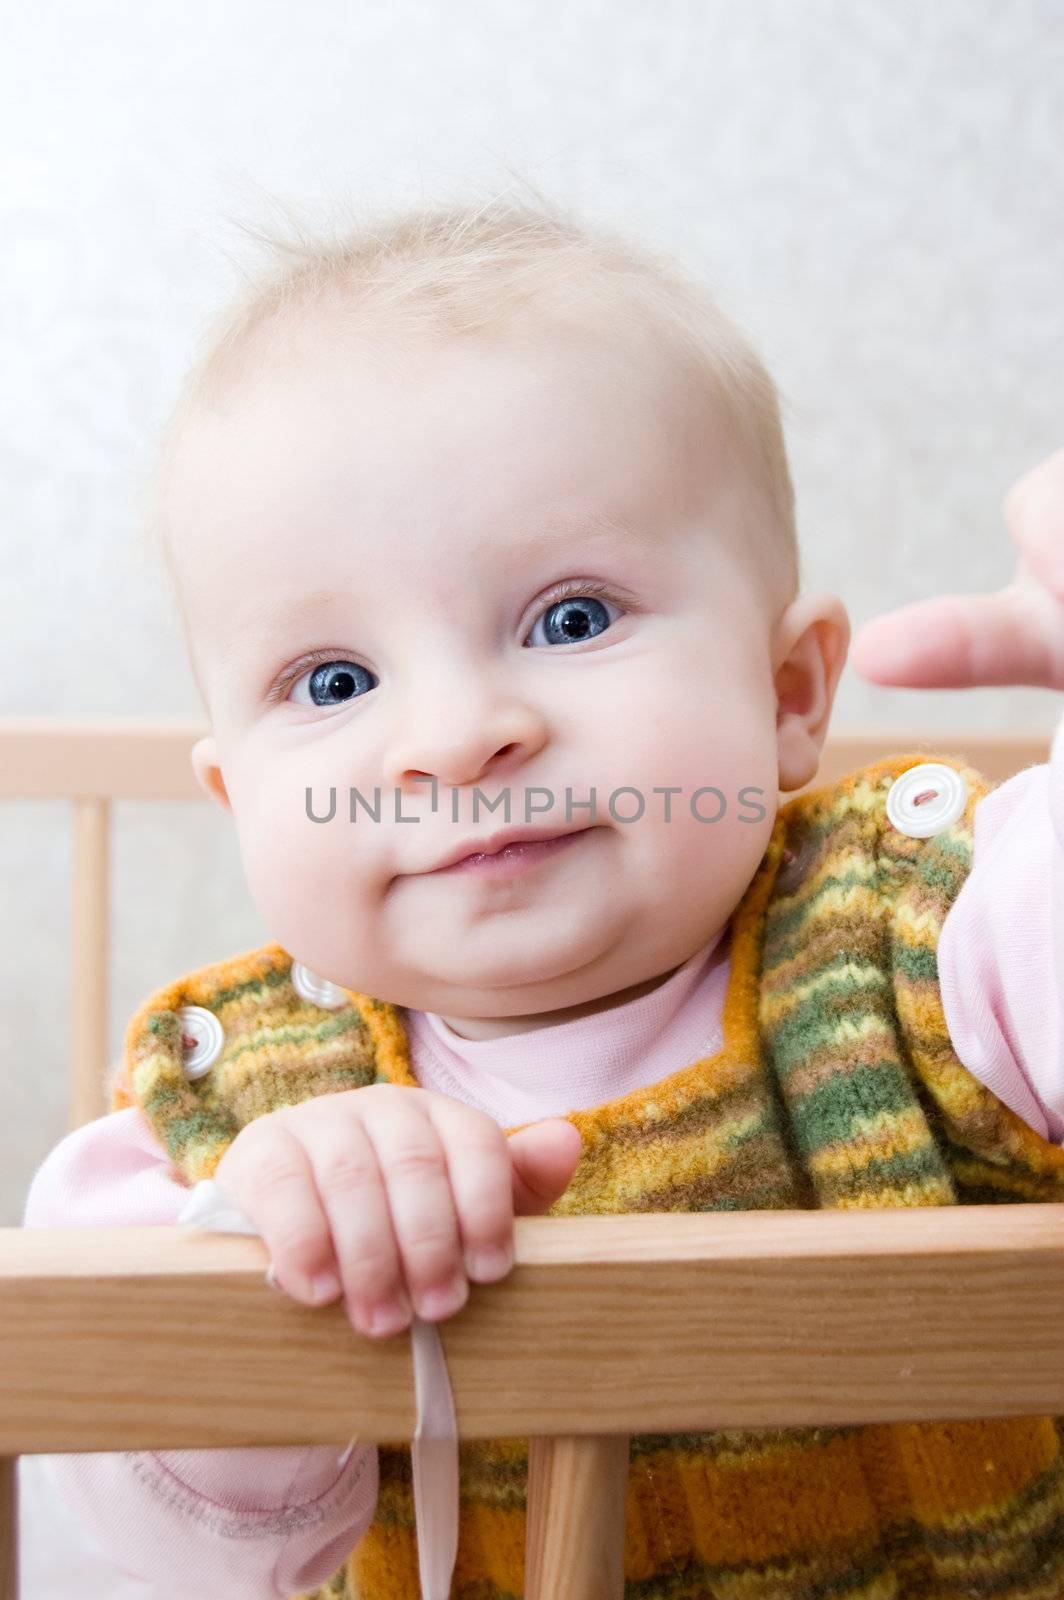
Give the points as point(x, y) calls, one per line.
point(434, 1448)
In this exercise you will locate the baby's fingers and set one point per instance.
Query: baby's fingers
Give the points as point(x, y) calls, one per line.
point(1034, 516)
point(543, 1157)
point(351, 1186)
point(418, 1171)
point(271, 1180)
point(481, 1180)
point(961, 641)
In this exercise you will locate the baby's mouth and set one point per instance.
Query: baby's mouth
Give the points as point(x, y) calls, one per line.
point(513, 855)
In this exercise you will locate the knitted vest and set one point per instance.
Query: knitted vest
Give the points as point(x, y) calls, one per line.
point(836, 1086)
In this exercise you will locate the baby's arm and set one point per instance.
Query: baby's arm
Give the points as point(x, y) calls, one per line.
point(1001, 950)
point(259, 1521)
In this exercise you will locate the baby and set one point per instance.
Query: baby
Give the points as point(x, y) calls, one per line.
point(482, 532)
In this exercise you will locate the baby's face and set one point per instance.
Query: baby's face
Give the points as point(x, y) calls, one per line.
point(516, 569)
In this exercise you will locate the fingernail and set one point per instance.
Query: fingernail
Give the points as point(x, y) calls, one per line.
point(389, 1317)
point(271, 1279)
point(490, 1263)
point(324, 1286)
point(443, 1300)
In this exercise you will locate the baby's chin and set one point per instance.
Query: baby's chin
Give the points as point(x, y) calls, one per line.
point(527, 986)
point(502, 991)
point(511, 965)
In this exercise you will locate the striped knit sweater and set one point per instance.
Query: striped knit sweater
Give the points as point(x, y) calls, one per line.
point(836, 1086)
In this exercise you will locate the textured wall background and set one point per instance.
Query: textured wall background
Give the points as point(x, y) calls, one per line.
point(875, 190)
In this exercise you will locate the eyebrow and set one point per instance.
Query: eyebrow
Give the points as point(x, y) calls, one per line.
point(273, 615)
point(563, 528)
point(558, 527)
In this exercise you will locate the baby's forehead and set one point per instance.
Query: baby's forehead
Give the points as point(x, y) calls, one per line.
point(631, 357)
point(322, 400)
point(493, 443)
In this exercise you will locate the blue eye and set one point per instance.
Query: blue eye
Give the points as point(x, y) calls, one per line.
point(568, 621)
point(333, 683)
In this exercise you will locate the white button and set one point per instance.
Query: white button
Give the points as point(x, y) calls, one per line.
point(201, 1039)
point(319, 991)
point(926, 799)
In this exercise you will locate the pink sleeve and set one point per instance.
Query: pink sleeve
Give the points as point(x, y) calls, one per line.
point(259, 1521)
point(1001, 949)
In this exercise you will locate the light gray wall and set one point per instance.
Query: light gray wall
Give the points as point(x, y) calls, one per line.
point(874, 189)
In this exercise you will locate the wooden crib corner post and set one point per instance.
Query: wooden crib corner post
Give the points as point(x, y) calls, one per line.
point(8, 1527)
point(575, 1524)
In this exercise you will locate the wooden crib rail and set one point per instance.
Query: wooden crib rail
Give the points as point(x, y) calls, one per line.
point(131, 758)
point(93, 762)
point(750, 1319)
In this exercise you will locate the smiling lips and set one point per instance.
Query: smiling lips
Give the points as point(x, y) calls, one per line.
point(514, 854)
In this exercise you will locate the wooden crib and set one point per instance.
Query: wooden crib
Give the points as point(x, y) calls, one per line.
point(967, 1300)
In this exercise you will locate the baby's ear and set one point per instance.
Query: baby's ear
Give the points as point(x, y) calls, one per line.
point(208, 772)
point(814, 636)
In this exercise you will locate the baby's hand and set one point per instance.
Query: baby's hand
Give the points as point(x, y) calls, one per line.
point(388, 1188)
point(1014, 636)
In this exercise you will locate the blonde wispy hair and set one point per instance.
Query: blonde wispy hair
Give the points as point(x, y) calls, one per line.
point(467, 267)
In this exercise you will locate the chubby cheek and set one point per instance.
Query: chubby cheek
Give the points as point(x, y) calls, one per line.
point(697, 733)
point(310, 882)
point(708, 866)
point(721, 758)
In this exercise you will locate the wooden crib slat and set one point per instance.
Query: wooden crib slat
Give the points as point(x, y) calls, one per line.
point(90, 958)
point(576, 1503)
point(9, 1574)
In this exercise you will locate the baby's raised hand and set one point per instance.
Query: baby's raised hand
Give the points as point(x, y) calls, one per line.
point(389, 1189)
point(958, 641)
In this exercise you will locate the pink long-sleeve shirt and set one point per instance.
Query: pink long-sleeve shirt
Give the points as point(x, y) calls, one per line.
point(266, 1522)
